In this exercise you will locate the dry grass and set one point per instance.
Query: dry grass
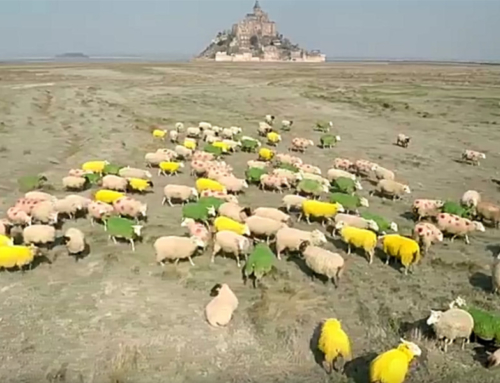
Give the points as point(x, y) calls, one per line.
point(117, 317)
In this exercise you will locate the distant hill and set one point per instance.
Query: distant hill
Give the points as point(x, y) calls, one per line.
point(73, 55)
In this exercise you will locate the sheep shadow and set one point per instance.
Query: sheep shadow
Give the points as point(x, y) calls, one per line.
point(358, 369)
point(494, 249)
point(481, 353)
point(481, 281)
point(408, 215)
point(83, 254)
point(313, 345)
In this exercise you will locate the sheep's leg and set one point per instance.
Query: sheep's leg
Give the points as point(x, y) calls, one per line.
point(464, 341)
point(467, 239)
point(214, 252)
point(163, 201)
point(370, 257)
point(238, 260)
point(170, 202)
point(299, 217)
point(348, 248)
point(159, 172)
point(91, 221)
point(132, 243)
point(191, 261)
point(307, 220)
point(406, 270)
point(114, 239)
point(452, 238)
point(176, 261)
point(387, 260)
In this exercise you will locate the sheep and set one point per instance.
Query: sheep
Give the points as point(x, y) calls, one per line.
point(153, 159)
point(190, 143)
point(99, 210)
point(113, 182)
point(128, 172)
point(193, 132)
point(286, 124)
point(222, 223)
point(174, 136)
point(25, 204)
point(173, 247)
point(257, 164)
point(288, 238)
point(179, 126)
point(233, 184)
point(220, 309)
point(39, 196)
point(300, 144)
point(74, 183)
point(272, 213)
point(342, 164)
point(333, 174)
point(273, 138)
point(182, 153)
point(450, 325)
point(196, 229)
point(79, 200)
point(95, 166)
point(233, 145)
point(405, 249)
point(314, 177)
point(382, 173)
point(290, 176)
point(323, 262)
point(220, 195)
point(39, 234)
point(307, 168)
point(108, 196)
point(204, 125)
point(426, 234)
point(234, 211)
point(285, 158)
point(68, 206)
point(168, 168)
point(263, 227)
point(130, 207)
point(470, 198)
point(202, 156)
point(458, 226)
point(5, 226)
point(159, 133)
point(264, 128)
point(495, 274)
point(489, 211)
point(77, 172)
point(45, 212)
point(355, 221)
point(391, 188)
point(364, 167)
point(227, 133)
point(293, 201)
point(230, 243)
point(472, 156)
point(423, 208)
point(403, 140)
point(75, 241)
point(320, 209)
point(178, 192)
point(268, 181)
point(493, 359)
point(269, 119)
point(360, 238)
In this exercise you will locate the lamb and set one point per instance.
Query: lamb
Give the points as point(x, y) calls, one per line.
point(233, 184)
point(182, 153)
point(74, 183)
point(495, 274)
point(391, 188)
point(113, 182)
point(18, 217)
point(173, 247)
point(234, 211)
point(194, 132)
point(293, 201)
point(355, 221)
point(45, 212)
point(196, 229)
point(220, 309)
point(39, 234)
point(426, 234)
point(230, 243)
point(458, 226)
point(333, 174)
point(323, 262)
point(128, 172)
point(470, 198)
point(178, 192)
point(403, 140)
point(75, 241)
point(489, 211)
point(288, 238)
point(472, 156)
point(382, 173)
point(423, 208)
point(450, 325)
point(272, 213)
point(263, 227)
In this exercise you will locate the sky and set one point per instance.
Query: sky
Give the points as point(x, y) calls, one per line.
point(398, 29)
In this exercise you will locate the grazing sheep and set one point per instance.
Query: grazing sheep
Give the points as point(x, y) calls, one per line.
point(426, 234)
point(472, 156)
point(173, 247)
point(403, 140)
point(382, 173)
point(489, 212)
point(495, 274)
point(323, 262)
point(391, 188)
point(178, 192)
point(230, 243)
point(360, 238)
point(272, 213)
point(263, 227)
point(75, 241)
point(39, 234)
point(470, 198)
point(458, 226)
point(354, 221)
point(293, 201)
point(128, 172)
point(234, 211)
point(333, 174)
point(450, 325)
point(113, 182)
point(74, 183)
point(220, 309)
point(288, 238)
point(423, 208)
point(45, 212)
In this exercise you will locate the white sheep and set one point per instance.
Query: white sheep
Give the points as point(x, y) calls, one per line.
point(263, 227)
point(272, 213)
point(68, 206)
point(293, 201)
point(264, 128)
point(495, 274)
point(269, 119)
point(382, 173)
point(74, 183)
point(355, 221)
point(234, 211)
point(323, 262)
point(450, 325)
point(45, 212)
point(233, 184)
point(220, 309)
point(204, 125)
point(113, 182)
point(179, 126)
point(174, 136)
point(128, 172)
point(173, 247)
point(39, 234)
point(333, 174)
point(290, 239)
point(79, 200)
point(286, 124)
point(183, 152)
point(39, 196)
point(315, 177)
point(178, 192)
point(193, 132)
point(257, 164)
point(470, 198)
point(75, 241)
point(230, 243)
point(391, 188)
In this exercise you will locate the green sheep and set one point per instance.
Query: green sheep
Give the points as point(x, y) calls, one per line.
point(253, 175)
point(198, 212)
point(209, 148)
point(111, 169)
point(383, 225)
point(322, 126)
point(211, 202)
point(349, 202)
point(486, 324)
point(118, 227)
point(259, 263)
point(31, 182)
point(249, 146)
point(289, 167)
point(93, 178)
point(455, 208)
point(328, 140)
point(346, 185)
point(311, 187)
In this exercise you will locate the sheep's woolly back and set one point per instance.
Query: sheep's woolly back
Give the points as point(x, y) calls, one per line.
point(333, 341)
point(219, 310)
point(11, 256)
point(405, 249)
point(361, 238)
point(453, 324)
point(323, 261)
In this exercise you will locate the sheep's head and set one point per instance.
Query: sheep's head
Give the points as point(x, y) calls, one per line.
point(214, 291)
point(459, 301)
point(414, 349)
point(318, 237)
point(337, 138)
point(357, 185)
point(246, 230)
point(478, 226)
point(340, 208)
point(198, 242)
point(310, 142)
point(439, 203)
point(339, 225)
point(211, 211)
point(364, 202)
point(194, 193)
point(137, 229)
point(325, 188)
point(181, 164)
point(372, 225)
point(53, 217)
point(406, 189)
point(244, 184)
point(186, 222)
point(394, 226)
point(482, 155)
point(439, 236)
point(434, 317)
point(144, 209)
point(331, 124)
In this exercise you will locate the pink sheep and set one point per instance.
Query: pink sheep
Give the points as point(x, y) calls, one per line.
point(26, 204)
point(202, 156)
point(423, 208)
point(273, 182)
point(473, 156)
point(196, 229)
point(343, 164)
point(458, 226)
point(219, 194)
point(364, 167)
point(130, 207)
point(18, 216)
point(307, 168)
point(426, 234)
point(300, 144)
point(99, 210)
point(284, 158)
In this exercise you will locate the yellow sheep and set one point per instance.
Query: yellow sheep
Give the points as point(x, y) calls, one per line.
point(138, 184)
point(107, 196)
point(222, 223)
point(405, 249)
point(392, 366)
point(158, 133)
point(222, 146)
point(11, 256)
point(333, 343)
point(95, 166)
point(208, 184)
point(168, 167)
point(360, 238)
point(266, 154)
point(5, 241)
point(190, 144)
point(320, 209)
point(273, 138)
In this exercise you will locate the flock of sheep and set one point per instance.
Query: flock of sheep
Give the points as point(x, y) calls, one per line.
point(213, 217)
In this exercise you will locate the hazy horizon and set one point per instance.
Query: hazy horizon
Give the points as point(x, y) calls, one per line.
point(463, 30)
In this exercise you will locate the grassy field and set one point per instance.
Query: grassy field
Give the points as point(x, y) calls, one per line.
point(117, 317)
